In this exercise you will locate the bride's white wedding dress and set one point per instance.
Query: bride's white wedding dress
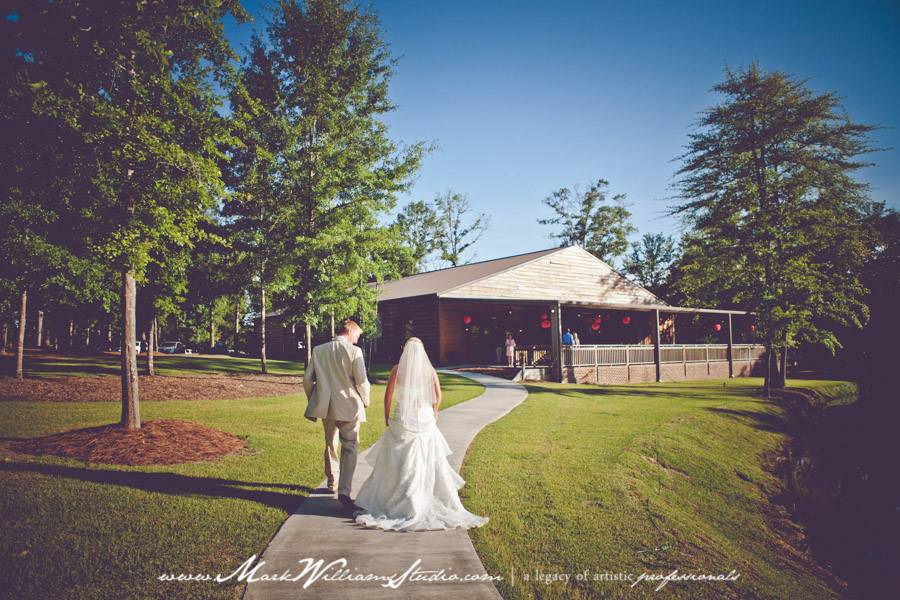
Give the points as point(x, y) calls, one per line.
point(413, 487)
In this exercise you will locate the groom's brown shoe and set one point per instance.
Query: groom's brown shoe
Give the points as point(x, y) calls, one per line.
point(347, 503)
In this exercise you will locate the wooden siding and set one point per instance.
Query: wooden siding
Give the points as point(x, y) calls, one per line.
point(407, 317)
point(454, 346)
point(572, 275)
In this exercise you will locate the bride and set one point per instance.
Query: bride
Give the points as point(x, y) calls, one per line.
point(412, 487)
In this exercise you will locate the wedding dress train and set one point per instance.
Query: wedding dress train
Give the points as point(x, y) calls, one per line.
point(413, 487)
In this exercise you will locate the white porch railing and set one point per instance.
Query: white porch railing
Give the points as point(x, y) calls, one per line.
point(642, 354)
point(531, 356)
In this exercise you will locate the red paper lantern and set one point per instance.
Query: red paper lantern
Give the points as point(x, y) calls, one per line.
point(598, 318)
point(544, 316)
point(626, 320)
point(467, 319)
point(545, 324)
point(595, 326)
point(717, 327)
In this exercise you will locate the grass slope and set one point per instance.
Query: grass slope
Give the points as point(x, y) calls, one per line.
point(92, 531)
point(634, 479)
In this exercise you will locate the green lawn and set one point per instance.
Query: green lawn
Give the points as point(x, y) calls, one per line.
point(633, 479)
point(77, 531)
point(57, 365)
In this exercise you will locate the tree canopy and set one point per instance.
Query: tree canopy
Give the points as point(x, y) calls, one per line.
point(776, 220)
point(587, 218)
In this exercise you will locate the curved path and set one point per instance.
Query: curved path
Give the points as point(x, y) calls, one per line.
point(319, 529)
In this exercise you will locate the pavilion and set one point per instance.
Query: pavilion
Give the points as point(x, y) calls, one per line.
point(462, 314)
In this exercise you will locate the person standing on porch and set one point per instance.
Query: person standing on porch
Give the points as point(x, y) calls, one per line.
point(510, 350)
point(575, 340)
point(567, 338)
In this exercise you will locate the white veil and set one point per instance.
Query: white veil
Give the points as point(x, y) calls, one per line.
point(414, 389)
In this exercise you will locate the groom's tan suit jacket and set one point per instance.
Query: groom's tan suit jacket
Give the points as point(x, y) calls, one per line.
point(335, 382)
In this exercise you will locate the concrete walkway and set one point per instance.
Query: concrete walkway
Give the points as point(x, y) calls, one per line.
point(320, 530)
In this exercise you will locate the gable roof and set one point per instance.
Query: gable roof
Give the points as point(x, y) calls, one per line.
point(441, 280)
point(569, 273)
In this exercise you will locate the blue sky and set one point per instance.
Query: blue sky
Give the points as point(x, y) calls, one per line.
point(523, 98)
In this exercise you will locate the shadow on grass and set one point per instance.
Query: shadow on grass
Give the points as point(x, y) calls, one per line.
point(46, 363)
point(706, 393)
point(761, 420)
point(173, 483)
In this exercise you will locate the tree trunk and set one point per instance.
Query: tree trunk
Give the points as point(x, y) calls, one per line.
point(262, 330)
point(155, 335)
point(308, 344)
point(131, 418)
point(784, 363)
point(332, 323)
point(71, 332)
point(87, 335)
point(150, 347)
point(5, 335)
point(212, 327)
point(39, 338)
point(780, 377)
point(768, 379)
point(237, 319)
point(20, 347)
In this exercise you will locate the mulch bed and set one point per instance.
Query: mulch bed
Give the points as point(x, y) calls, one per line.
point(107, 388)
point(157, 442)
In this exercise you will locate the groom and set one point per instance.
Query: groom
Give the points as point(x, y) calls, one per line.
point(337, 390)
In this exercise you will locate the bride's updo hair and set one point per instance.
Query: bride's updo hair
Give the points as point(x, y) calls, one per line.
point(413, 340)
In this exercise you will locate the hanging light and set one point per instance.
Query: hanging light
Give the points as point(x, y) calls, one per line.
point(595, 327)
point(544, 316)
point(545, 324)
point(717, 327)
point(467, 319)
point(626, 320)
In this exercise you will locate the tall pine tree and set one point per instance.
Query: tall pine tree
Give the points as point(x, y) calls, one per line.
point(777, 219)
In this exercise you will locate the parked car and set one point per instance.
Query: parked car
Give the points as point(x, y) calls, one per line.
point(172, 348)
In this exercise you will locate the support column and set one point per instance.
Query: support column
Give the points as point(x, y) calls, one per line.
point(730, 350)
point(657, 355)
point(556, 340)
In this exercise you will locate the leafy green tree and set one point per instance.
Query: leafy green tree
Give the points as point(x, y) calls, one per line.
point(778, 222)
point(133, 81)
point(651, 260)
point(586, 218)
point(338, 169)
point(257, 212)
point(37, 240)
point(418, 227)
point(163, 291)
point(457, 231)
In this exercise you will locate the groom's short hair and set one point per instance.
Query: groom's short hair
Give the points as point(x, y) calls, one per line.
point(348, 325)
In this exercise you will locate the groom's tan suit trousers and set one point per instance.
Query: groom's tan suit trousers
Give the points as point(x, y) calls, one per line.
point(337, 390)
